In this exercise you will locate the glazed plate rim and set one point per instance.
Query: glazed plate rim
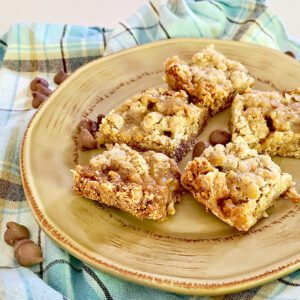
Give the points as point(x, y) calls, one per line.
point(171, 284)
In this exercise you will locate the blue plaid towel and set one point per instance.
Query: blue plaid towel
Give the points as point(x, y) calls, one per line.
point(30, 50)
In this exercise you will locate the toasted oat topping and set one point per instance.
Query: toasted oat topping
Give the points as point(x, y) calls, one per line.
point(236, 183)
point(146, 185)
point(157, 119)
point(210, 78)
point(268, 121)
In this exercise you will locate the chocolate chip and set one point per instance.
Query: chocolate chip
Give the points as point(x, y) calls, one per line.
point(27, 253)
point(60, 77)
point(290, 53)
point(21, 242)
point(88, 124)
point(38, 99)
point(199, 148)
point(44, 90)
point(86, 140)
point(219, 137)
point(36, 81)
point(100, 117)
point(270, 123)
point(150, 105)
point(167, 133)
point(194, 100)
point(15, 232)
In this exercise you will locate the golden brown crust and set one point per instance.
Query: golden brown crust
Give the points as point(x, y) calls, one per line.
point(236, 183)
point(268, 121)
point(211, 79)
point(147, 185)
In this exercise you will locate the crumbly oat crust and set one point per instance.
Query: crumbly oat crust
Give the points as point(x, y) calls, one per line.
point(211, 79)
point(147, 185)
point(156, 119)
point(236, 183)
point(268, 121)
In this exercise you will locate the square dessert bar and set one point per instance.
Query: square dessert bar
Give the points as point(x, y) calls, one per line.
point(210, 79)
point(236, 183)
point(268, 121)
point(156, 119)
point(147, 185)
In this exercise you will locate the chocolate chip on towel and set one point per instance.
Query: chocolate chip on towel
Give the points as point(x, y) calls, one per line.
point(15, 232)
point(44, 90)
point(27, 253)
point(60, 77)
point(38, 80)
point(38, 99)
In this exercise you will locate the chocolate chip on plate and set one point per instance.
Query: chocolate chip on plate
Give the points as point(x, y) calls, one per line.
point(290, 53)
point(86, 141)
point(88, 124)
point(219, 137)
point(15, 232)
point(38, 80)
point(27, 253)
point(100, 117)
point(199, 148)
point(38, 99)
point(60, 77)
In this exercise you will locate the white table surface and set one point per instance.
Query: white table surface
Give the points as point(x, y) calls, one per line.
point(109, 12)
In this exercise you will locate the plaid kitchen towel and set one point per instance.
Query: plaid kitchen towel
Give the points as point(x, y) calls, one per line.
point(30, 50)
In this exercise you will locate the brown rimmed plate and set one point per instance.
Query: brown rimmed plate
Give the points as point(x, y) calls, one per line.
point(192, 252)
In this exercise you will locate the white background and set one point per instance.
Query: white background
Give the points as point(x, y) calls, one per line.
point(106, 13)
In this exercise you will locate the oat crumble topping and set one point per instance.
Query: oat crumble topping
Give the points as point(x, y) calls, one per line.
point(210, 79)
point(147, 184)
point(156, 119)
point(268, 121)
point(236, 183)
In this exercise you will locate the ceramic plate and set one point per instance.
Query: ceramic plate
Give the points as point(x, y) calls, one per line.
point(192, 252)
